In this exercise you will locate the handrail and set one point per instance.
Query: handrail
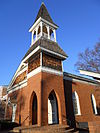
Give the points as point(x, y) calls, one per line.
point(25, 119)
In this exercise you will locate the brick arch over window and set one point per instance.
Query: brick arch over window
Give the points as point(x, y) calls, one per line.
point(76, 104)
point(58, 105)
point(33, 109)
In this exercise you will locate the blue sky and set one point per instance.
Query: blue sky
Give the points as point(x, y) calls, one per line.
point(79, 28)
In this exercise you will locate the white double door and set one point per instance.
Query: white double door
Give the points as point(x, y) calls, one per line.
point(52, 112)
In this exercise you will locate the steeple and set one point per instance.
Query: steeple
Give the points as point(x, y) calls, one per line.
point(43, 13)
point(43, 26)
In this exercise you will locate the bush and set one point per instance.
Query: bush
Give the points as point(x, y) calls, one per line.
point(7, 124)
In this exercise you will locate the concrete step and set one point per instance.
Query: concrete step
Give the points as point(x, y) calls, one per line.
point(45, 129)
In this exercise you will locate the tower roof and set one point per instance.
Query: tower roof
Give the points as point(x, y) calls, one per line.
point(43, 13)
point(46, 44)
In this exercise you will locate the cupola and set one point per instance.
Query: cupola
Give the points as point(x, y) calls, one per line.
point(43, 26)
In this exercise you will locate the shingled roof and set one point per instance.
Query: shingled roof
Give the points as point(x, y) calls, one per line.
point(47, 44)
point(43, 13)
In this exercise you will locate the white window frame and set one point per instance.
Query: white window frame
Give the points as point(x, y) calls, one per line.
point(77, 101)
point(94, 104)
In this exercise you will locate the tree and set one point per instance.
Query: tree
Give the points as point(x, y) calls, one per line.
point(89, 59)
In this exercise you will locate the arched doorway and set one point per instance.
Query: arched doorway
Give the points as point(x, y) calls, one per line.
point(52, 109)
point(34, 110)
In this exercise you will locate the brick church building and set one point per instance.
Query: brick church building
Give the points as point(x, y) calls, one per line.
point(41, 93)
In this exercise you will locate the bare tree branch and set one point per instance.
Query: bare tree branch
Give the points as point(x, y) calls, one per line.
point(89, 59)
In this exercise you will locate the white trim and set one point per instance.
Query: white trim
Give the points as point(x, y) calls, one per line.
point(18, 86)
point(38, 21)
point(23, 70)
point(29, 75)
point(41, 59)
point(94, 104)
point(35, 50)
point(34, 72)
point(43, 50)
point(14, 77)
point(77, 80)
point(88, 73)
point(62, 66)
point(53, 52)
point(49, 70)
point(41, 28)
point(54, 31)
point(35, 24)
point(43, 69)
point(50, 24)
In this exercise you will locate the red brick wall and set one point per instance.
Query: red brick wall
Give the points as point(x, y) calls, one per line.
point(53, 82)
point(94, 126)
point(23, 98)
point(84, 91)
point(42, 84)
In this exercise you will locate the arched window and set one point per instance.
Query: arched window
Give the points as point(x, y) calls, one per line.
point(94, 104)
point(34, 110)
point(76, 104)
point(51, 34)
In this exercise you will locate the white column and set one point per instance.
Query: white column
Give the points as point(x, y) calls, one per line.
point(62, 66)
point(13, 112)
point(36, 32)
point(41, 25)
point(48, 29)
point(41, 59)
point(54, 31)
point(32, 37)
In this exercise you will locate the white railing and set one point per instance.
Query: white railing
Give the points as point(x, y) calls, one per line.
point(45, 35)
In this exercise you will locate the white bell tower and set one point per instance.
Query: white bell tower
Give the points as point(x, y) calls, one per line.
point(43, 26)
